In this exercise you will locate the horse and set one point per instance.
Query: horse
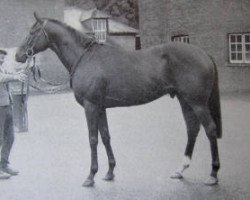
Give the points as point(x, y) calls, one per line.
point(105, 76)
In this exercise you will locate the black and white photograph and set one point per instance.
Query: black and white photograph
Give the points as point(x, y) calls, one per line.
point(124, 99)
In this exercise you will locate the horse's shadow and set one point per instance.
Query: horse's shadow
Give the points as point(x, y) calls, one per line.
point(197, 190)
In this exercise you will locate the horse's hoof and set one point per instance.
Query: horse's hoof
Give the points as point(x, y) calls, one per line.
point(88, 183)
point(176, 175)
point(109, 177)
point(211, 181)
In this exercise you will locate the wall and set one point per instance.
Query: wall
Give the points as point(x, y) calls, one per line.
point(207, 23)
point(126, 42)
point(152, 18)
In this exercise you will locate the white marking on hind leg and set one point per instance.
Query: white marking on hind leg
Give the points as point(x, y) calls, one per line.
point(185, 164)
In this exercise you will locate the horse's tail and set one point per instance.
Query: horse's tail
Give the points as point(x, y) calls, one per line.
point(214, 102)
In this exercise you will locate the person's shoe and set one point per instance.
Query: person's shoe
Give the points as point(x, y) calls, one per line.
point(9, 171)
point(4, 175)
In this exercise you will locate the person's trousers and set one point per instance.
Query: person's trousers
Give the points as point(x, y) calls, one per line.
point(6, 133)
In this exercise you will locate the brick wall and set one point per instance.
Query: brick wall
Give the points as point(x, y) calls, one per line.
point(207, 23)
point(152, 21)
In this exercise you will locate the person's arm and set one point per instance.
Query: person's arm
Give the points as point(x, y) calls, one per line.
point(20, 76)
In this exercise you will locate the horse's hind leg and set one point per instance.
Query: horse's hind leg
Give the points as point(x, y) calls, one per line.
point(210, 128)
point(92, 115)
point(104, 131)
point(193, 127)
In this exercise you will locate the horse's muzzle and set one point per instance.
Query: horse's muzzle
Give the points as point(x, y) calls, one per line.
point(21, 57)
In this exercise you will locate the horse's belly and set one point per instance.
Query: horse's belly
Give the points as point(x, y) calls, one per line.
point(131, 98)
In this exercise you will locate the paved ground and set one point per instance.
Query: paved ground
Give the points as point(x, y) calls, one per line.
point(148, 142)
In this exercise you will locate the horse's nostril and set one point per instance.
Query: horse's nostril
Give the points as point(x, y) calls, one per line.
point(29, 52)
point(20, 58)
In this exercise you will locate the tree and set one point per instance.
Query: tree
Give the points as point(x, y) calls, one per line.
point(125, 11)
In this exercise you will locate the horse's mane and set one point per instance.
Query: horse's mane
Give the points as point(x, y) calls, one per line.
point(80, 38)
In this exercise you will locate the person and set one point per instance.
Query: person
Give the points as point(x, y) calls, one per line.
point(6, 117)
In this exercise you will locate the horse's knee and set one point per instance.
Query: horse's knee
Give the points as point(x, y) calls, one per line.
point(93, 141)
point(106, 140)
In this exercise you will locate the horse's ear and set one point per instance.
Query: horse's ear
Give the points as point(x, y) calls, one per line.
point(38, 18)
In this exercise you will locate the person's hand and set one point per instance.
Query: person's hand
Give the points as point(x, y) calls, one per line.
point(21, 76)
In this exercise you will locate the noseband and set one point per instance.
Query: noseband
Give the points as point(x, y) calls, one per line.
point(32, 42)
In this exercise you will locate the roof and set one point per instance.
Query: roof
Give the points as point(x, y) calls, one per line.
point(118, 27)
point(93, 13)
point(114, 26)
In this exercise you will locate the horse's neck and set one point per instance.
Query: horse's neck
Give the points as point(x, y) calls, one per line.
point(66, 55)
point(67, 50)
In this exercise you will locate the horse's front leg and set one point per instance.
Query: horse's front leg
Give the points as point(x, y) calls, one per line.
point(104, 131)
point(92, 116)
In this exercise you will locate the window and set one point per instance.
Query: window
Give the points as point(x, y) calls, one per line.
point(137, 42)
point(239, 48)
point(181, 38)
point(99, 26)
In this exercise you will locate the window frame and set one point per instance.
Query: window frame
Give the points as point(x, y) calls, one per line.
point(238, 51)
point(181, 38)
point(100, 29)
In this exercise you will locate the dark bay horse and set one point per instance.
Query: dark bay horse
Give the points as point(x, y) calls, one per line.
point(104, 76)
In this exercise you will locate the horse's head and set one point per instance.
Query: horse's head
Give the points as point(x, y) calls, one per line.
point(35, 42)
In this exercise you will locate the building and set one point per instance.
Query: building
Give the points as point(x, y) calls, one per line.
point(220, 27)
point(101, 25)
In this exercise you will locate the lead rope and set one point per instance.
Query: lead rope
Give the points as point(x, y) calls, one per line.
point(55, 89)
point(27, 71)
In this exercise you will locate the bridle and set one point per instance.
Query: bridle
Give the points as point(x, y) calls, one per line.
point(33, 40)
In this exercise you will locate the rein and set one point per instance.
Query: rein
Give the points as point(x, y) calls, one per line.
point(30, 55)
point(53, 87)
point(72, 71)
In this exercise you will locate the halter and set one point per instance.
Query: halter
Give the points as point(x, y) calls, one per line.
point(30, 50)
